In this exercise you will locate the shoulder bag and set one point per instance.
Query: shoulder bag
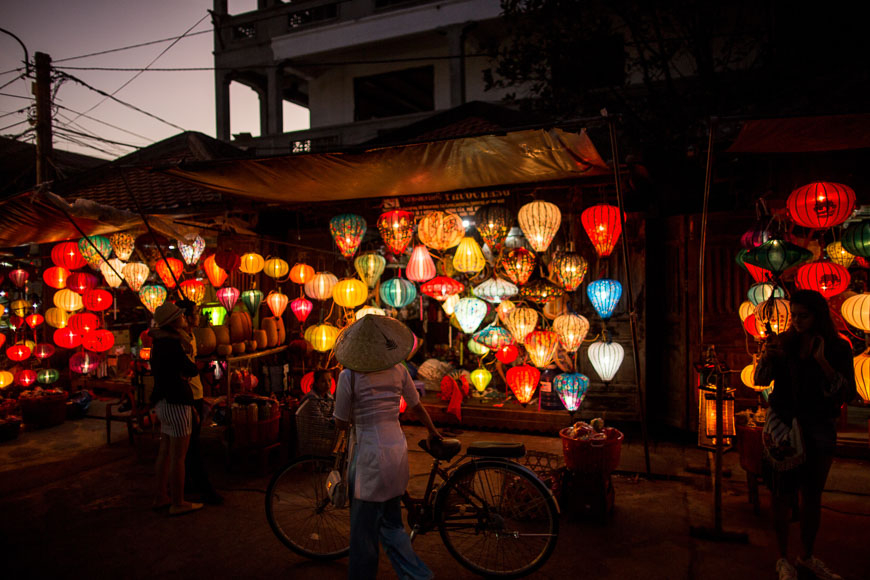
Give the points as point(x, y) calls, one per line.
point(336, 481)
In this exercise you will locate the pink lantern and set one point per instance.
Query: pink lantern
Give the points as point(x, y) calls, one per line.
point(420, 266)
point(43, 350)
point(82, 282)
point(228, 297)
point(19, 277)
point(83, 362)
point(301, 309)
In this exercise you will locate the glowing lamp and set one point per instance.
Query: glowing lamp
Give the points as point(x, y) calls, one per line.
point(99, 340)
point(215, 313)
point(216, 275)
point(47, 376)
point(97, 300)
point(21, 308)
point(301, 273)
point(826, 278)
point(776, 312)
point(603, 226)
point(277, 303)
point(571, 388)
point(450, 303)
point(369, 310)
point(521, 321)
point(396, 229)
point(370, 267)
point(707, 416)
point(468, 257)
point(758, 274)
point(193, 290)
point(507, 354)
point(440, 230)
point(856, 311)
point(321, 285)
point(152, 296)
point(191, 249)
point(112, 271)
point(503, 309)
point(541, 347)
point(856, 239)
point(604, 295)
point(495, 290)
point(522, 380)
point(323, 337)
point(276, 268)
point(862, 375)
point(518, 264)
point(493, 223)
point(18, 352)
point(251, 263)
point(123, 245)
point(442, 287)
point(145, 353)
point(480, 378)
point(2, 339)
point(68, 300)
point(34, 320)
point(777, 256)
point(19, 277)
point(747, 377)
point(476, 348)
point(135, 274)
point(56, 277)
point(606, 358)
point(6, 379)
point(350, 292)
point(398, 292)
point(746, 309)
point(838, 254)
point(470, 312)
point(252, 299)
point(570, 271)
point(307, 381)
point(94, 249)
point(494, 337)
point(301, 308)
point(420, 265)
point(83, 362)
point(228, 260)
point(749, 325)
point(25, 377)
point(541, 292)
point(57, 317)
point(82, 282)
point(572, 329)
point(347, 230)
point(754, 237)
point(84, 322)
point(43, 350)
point(539, 221)
point(758, 293)
point(228, 297)
point(169, 270)
point(821, 205)
point(67, 255)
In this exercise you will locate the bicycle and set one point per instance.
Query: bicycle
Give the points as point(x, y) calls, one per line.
point(494, 515)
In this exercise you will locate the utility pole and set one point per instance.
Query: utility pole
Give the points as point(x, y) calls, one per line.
point(42, 91)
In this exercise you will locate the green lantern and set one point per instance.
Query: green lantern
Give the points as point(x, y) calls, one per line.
point(252, 300)
point(92, 250)
point(215, 313)
point(398, 292)
point(856, 239)
point(370, 267)
point(47, 376)
point(477, 348)
point(758, 293)
point(347, 230)
point(777, 256)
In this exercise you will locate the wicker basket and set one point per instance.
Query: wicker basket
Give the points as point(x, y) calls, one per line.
point(315, 432)
point(591, 455)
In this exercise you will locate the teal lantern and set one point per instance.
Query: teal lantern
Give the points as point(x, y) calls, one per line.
point(494, 336)
point(398, 292)
point(47, 376)
point(347, 230)
point(215, 313)
point(856, 239)
point(370, 267)
point(469, 313)
point(604, 295)
point(477, 348)
point(758, 293)
point(90, 250)
point(777, 256)
point(571, 388)
point(252, 300)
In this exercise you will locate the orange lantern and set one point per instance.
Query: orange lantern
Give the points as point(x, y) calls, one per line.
point(135, 274)
point(522, 380)
point(518, 265)
point(216, 275)
point(323, 337)
point(301, 273)
point(603, 226)
point(504, 308)
point(539, 220)
point(67, 255)
point(56, 277)
point(97, 300)
point(123, 245)
point(396, 229)
point(420, 266)
point(440, 230)
point(34, 320)
point(25, 377)
point(521, 321)
point(169, 271)
point(193, 290)
point(6, 379)
point(277, 303)
point(541, 346)
point(572, 329)
point(68, 300)
point(252, 263)
point(442, 287)
point(350, 292)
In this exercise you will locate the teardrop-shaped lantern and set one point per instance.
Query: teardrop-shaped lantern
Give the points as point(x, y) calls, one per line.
point(507, 354)
point(440, 230)
point(856, 311)
point(495, 290)
point(152, 296)
point(323, 337)
point(216, 275)
point(826, 278)
point(604, 295)
point(571, 388)
point(776, 312)
point(56, 277)
point(476, 348)
point(503, 309)
point(135, 274)
point(570, 270)
point(301, 273)
point(252, 300)
point(370, 267)
point(541, 346)
point(450, 303)
point(493, 222)
point(521, 321)
point(523, 380)
point(301, 308)
point(251, 263)
point(19, 277)
point(856, 239)
point(193, 290)
point(347, 230)
point(838, 254)
point(540, 292)
point(606, 358)
point(572, 330)
point(84, 362)
point(821, 205)
point(862, 375)
point(442, 287)
point(67, 255)
point(470, 312)
point(228, 297)
point(113, 272)
point(277, 303)
point(539, 220)
point(420, 265)
point(518, 264)
point(350, 292)
point(123, 245)
point(494, 337)
point(191, 249)
point(758, 293)
point(95, 250)
point(97, 300)
point(276, 268)
point(369, 310)
point(398, 292)
point(480, 378)
point(397, 228)
point(603, 226)
point(57, 317)
point(68, 300)
point(321, 285)
point(468, 257)
point(777, 256)
point(169, 271)
point(67, 338)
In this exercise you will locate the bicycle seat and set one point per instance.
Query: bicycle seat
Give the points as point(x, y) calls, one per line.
point(496, 449)
point(445, 450)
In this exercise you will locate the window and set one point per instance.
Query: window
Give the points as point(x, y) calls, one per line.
point(394, 93)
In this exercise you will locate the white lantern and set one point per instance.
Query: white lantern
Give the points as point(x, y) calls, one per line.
point(320, 287)
point(135, 274)
point(113, 272)
point(606, 358)
point(572, 329)
point(539, 221)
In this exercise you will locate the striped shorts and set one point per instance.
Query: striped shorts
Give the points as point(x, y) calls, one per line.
point(175, 420)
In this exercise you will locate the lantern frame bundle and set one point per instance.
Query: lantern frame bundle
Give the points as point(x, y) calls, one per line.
point(539, 221)
point(603, 225)
point(347, 230)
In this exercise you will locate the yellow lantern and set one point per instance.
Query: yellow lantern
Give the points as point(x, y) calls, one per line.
point(68, 300)
point(839, 255)
point(541, 346)
point(773, 311)
point(277, 303)
point(308, 335)
point(504, 308)
point(301, 273)
point(276, 268)
point(113, 272)
point(323, 337)
point(469, 257)
point(440, 230)
point(321, 285)
point(6, 379)
point(572, 329)
point(350, 292)
point(123, 245)
point(251, 263)
point(521, 321)
point(747, 376)
point(370, 267)
point(862, 375)
point(57, 317)
point(856, 311)
point(449, 304)
point(480, 378)
point(746, 308)
point(21, 308)
point(135, 274)
point(369, 310)
point(539, 221)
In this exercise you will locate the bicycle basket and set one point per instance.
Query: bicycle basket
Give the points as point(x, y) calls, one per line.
point(315, 430)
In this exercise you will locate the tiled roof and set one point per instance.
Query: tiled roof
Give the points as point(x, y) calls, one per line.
point(18, 165)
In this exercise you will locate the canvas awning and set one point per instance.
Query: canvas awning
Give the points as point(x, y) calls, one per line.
point(803, 134)
point(449, 165)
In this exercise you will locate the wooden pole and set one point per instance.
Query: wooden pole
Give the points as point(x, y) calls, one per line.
point(42, 92)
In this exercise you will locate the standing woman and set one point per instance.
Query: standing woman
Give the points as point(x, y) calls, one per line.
point(173, 402)
point(812, 369)
point(368, 392)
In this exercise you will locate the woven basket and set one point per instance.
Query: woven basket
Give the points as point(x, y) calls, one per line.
point(315, 433)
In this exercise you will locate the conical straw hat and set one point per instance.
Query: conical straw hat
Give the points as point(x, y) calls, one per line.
point(373, 343)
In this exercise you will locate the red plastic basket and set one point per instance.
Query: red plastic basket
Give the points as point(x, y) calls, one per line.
point(592, 456)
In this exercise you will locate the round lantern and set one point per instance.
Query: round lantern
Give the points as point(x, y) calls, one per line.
point(370, 267)
point(43, 350)
point(856, 311)
point(571, 388)
point(824, 277)
point(169, 270)
point(468, 257)
point(518, 264)
point(123, 245)
point(570, 270)
point(323, 337)
point(307, 381)
point(749, 325)
point(747, 376)
point(67, 338)
point(252, 299)
point(135, 274)
point(442, 287)
point(606, 358)
point(495, 290)
point(321, 285)
point(450, 303)
point(856, 239)
point(216, 275)
point(507, 354)
point(420, 265)
point(503, 309)
point(82, 282)
point(775, 312)
point(603, 226)
point(191, 249)
point(19, 277)
point(34, 320)
point(6, 379)
point(369, 310)
point(398, 292)
point(21, 308)
point(521, 321)
point(57, 317)
point(193, 290)
point(276, 268)
point(541, 292)
point(152, 296)
point(67, 255)
point(470, 312)
point(215, 314)
point(228, 297)
point(821, 205)
point(83, 362)
point(112, 272)
point(758, 293)
point(301, 308)
point(350, 292)
point(440, 230)
point(18, 352)
point(746, 308)
point(25, 377)
point(56, 277)
point(251, 263)
point(227, 260)
point(47, 376)
point(604, 295)
point(94, 249)
point(99, 340)
point(777, 256)
point(2, 339)
point(480, 378)
point(396, 229)
point(539, 221)
point(145, 353)
point(277, 303)
point(301, 273)
point(493, 223)
point(347, 230)
point(494, 336)
point(97, 300)
point(862, 375)
point(84, 322)
point(572, 329)
point(68, 300)
point(838, 254)
point(522, 380)
point(476, 348)
point(541, 347)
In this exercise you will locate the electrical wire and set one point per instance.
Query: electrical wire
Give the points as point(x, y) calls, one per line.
point(16, 96)
point(104, 123)
point(11, 70)
point(13, 125)
point(84, 144)
point(92, 136)
point(132, 46)
point(3, 86)
point(14, 112)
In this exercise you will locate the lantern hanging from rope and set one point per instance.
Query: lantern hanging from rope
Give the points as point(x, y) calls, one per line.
point(19, 277)
point(747, 377)
point(555, 307)
point(95, 250)
point(476, 348)
point(862, 375)
point(397, 228)
point(398, 292)
point(67, 338)
point(276, 268)
point(442, 287)
point(82, 282)
point(67, 255)
point(572, 330)
point(856, 239)
point(826, 278)
point(43, 350)
point(480, 378)
point(450, 303)
point(169, 270)
point(216, 275)
point(68, 300)
point(757, 273)
point(495, 290)
point(347, 230)
point(493, 222)
point(57, 317)
point(470, 312)
point(123, 245)
point(135, 274)
point(6, 379)
point(228, 297)
point(468, 257)
point(777, 256)
point(301, 273)
point(350, 292)
point(370, 266)
point(838, 254)
point(758, 293)
point(99, 340)
point(606, 358)
point(277, 303)
point(323, 337)
point(507, 354)
point(749, 325)
point(21, 308)
point(521, 321)
point(746, 309)
point(97, 300)
point(603, 226)
point(321, 285)
point(539, 221)
point(47, 376)
point(541, 346)
point(754, 237)
point(18, 352)
point(494, 337)
point(251, 263)
point(518, 264)
point(191, 249)
point(503, 309)
point(193, 290)
point(252, 299)
point(301, 308)
point(856, 311)
point(570, 271)
point(774, 311)
point(604, 295)
point(523, 380)
point(228, 260)
point(571, 388)
point(112, 271)
point(84, 322)
point(25, 377)
point(56, 277)
point(420, 265)
point(707, 416)
point(152, 296)
point(821, 205)
point(369, 310)
point(540, 292)
point(440, 230)
point(83, 362)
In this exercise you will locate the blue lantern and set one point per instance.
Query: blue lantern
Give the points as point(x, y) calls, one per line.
point(494, 336)
point(398, 292)
point(571, 388)
point(758, 293)
point(252, 299)
point(604, 294)
point(470, 312)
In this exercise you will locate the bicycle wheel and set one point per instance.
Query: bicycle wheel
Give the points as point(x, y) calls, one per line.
point(497, 518)
point(300, 513)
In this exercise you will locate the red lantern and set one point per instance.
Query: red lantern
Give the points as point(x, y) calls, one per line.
point(216, 275)
point(397, 228)
point(34, 320)
point(82, 282)
point(301, 309)
point(67, 255)
point(169, 270)
point(83, 322)
point(228, 297)
point(18, 352)
point(99, 340)
point(307, 382)
point(67, 338)
point(97, 300)
point(507, 353)
point(56, 277)
point(19, 277)
point(193, 290)
point(145, 339)
point(442, 287)
point(827, 278)
point(821, 205)
point(603, 226)
point(518, 264)
point(145, 353)
point(2, 339)
point(522, 380)
point(749, 326)
point(25, 377)
point(43, 350)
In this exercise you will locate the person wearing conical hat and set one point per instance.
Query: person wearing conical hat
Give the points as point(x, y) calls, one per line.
point(367, 396)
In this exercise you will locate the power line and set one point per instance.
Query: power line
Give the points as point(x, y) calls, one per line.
point(11, 70)
point(3, 86)
point(84, 144)
point(92, 136)
point(140, 45)
point(16, 96)
point(14, 112)
point(105, 123)
point(14, 125)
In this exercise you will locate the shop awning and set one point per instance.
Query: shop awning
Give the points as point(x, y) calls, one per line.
point(803, 134)
point(440, 166)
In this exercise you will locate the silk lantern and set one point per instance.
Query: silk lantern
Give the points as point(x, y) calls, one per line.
point(307, 381)
point(99, 340)
point(228, 297)
point(522, 380)
point(521, 321)
point(34, 320)
point(301, 308)
point(321, 285)
point(604, 295)
point(169, 270)
point(420, 265)
point(826, 278)
point(476, 348)
point(747, 377)
point(493, 223)
point(112, 271)
point(539, 221)
point(470, 312)
point(450, 303)
point(67, 255)
point(572, 330)
point(541, 347)
point(323, 337)
point(518, 265)
point(83, 362)
point(570, 271)
point(252, 300)
point(606, 358)
point(19, 277)
point(774, 311)
point(603, 226)
point(821, 205)
point(301, 273)
point(862, 375)
point(370, 267)
point(540, 292)
point(68, 300)
point(350, 292)
point(838, 254)
point(67, 338)
point(276, 268)
point(468, 257)
point(216, 275)
point(84, 322)
point(777, 256)
point(47, 376)
point(746, 308)
point(347, 230)
point(856, 311)
point(251, 263)
point(135, 274)
point(6, 379)
point(97, 300)
point(25, 377)
point(56, 277)
point(21, 308)
point(749, 325)
point(193, 290)
point(396, 229)
point(494, 337)
point(480, 378)
point(758, 274)
point(555, 307)
point(398, 292)
point(94, 249)
point(369, 310)
point(758, 293)
point(440, 230)
point(494, 290)
point(191, 249)
point(507, 354)
point(152, 296)
point(57, 317)
point(442, 287)
point(503, 309)
point(18, 352)
point(571, 388)
point(43, 350)
point(123, 245)
point(82, 282)
point(277, 303)
point(856, 239)
point(755, 236)
point(215, 314)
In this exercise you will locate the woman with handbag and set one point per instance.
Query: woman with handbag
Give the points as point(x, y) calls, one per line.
point(367, 395)
point(811, 367)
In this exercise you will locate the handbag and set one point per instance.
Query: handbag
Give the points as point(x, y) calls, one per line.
point(336, 481)
point(787, 453)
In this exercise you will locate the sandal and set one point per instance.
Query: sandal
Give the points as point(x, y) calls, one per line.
point(178, 510)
